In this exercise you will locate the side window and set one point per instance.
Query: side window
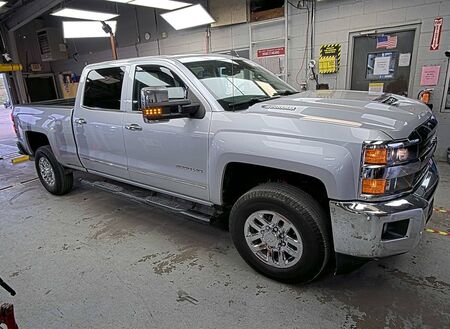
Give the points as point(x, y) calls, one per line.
point(156, 76)
point(103, 88)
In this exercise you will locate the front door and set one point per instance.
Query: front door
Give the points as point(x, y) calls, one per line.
point(98, 123)
point(382, 62)
point(168, 155)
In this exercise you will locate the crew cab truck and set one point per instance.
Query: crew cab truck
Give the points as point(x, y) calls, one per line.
point(306, 177)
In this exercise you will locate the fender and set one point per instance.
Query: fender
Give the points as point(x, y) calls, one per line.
point(330, 163)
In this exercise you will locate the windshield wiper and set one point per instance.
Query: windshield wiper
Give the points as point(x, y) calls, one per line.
point(285, 92)
point(248, 102)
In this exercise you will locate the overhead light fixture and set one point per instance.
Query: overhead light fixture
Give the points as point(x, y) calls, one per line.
point(188, 17)
point(2, 3)
point(160, 4)
point(84, 29)
point(84, 14)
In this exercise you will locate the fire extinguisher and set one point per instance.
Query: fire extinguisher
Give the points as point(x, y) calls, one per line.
point(425, 96)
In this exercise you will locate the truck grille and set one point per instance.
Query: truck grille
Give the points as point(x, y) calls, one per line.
point(425, 134)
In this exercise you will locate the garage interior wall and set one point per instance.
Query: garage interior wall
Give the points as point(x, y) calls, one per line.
point(335, 21)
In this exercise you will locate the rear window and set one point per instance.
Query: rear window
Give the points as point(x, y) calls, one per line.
point(103, 88)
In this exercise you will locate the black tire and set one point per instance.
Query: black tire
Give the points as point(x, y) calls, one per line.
point(304, 212)
point(63, 180)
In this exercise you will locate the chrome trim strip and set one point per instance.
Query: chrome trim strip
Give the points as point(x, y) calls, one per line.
point(377, 172)
point(149, 187)
point(103, 162)
point(173, 179)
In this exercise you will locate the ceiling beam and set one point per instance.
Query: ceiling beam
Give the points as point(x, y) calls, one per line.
point(28, 12)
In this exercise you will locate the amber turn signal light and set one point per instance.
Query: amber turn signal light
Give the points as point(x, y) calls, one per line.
point(152, 111)
point(373, 186)
point(375, 156)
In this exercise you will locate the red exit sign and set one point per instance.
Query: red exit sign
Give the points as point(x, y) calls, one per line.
point(278, 51)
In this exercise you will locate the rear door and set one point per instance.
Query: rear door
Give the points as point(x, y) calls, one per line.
point(98, 122)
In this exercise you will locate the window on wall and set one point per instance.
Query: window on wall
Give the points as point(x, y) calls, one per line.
point(157, 76)
point(103, 88)
point(266, 9)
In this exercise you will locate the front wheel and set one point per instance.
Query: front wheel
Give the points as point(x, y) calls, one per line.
point(52, 174)
point(281, 232)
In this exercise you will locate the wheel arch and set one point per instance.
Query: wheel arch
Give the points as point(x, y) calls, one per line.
point(240, 177)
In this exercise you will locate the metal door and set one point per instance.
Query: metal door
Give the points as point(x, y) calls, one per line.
point(371, 71)
point(167, 155)
point(98, 122)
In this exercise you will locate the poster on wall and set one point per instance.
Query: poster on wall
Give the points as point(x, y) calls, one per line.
point(436, 38)
point(430, 75)
point(404, 59)
point(381, 66)
point(330, 58)
point(376, 87)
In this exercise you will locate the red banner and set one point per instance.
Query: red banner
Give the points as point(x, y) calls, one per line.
point(278, 51)
point(436, 39)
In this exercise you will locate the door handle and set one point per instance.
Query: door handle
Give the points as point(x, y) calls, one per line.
point(133, 127)
point(80, 121)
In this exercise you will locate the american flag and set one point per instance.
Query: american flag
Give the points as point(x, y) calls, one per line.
point(386, 41)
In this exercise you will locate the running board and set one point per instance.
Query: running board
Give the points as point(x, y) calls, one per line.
point(187, 208)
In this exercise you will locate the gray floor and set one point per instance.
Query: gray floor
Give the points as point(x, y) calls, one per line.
point(92, 260)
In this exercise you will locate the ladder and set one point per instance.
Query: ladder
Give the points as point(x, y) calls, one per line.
point(282, 39)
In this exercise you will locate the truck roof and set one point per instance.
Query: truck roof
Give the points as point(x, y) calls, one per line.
point(135, 60)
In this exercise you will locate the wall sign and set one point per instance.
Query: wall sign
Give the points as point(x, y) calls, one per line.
point(35, 67)
point(273, 59)
point(330, 58)
point(404, 59)
point(376, 87)
point(436, 39)
point(381, 66)
point(278, 51)
point(430, 75)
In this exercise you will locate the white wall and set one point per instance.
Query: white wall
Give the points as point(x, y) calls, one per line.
point(335, 20)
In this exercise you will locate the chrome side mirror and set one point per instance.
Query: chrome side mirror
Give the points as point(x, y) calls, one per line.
point(155, 105)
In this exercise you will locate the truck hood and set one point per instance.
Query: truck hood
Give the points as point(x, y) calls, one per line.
point(394, 115)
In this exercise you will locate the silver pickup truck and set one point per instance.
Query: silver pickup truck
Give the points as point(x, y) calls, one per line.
point(307, 179)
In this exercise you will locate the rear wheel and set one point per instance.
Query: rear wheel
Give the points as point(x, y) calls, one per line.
point(281, 232)
point(53, 176)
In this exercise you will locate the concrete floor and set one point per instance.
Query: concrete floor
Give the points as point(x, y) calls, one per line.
point(93, 260)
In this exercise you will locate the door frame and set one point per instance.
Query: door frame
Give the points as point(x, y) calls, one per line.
point(386, 29)
point(445, 91)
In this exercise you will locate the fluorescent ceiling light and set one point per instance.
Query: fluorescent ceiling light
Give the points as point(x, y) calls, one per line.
point(188, 17)
point(2, 3)
point(121, 1)
point(86, 29)
point(84, 14)
point(161, 4)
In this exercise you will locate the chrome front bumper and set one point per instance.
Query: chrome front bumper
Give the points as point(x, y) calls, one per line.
point(359, 227)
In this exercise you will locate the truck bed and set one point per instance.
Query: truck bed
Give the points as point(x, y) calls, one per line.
point(67, 102)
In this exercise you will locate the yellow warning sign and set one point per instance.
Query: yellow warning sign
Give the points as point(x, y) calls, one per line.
point(330, 58)
point(327, 64)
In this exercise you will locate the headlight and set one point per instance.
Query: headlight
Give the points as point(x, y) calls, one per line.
point(388, 168)
point(390, 154)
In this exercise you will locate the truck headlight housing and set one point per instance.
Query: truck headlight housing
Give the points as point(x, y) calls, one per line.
point(389, 168)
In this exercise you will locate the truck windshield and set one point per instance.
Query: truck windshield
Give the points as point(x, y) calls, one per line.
point(236, 83)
